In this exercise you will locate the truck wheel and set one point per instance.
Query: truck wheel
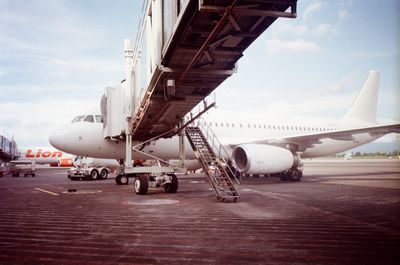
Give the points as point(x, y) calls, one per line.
point(33, 175)
point(94, 174)
point(104, 174)
point(173, 186)
point(141, 184)
point(122, 180)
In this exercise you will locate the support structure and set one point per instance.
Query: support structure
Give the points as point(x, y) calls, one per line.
point(182, 148)
point(189, 48)
point(129, 97)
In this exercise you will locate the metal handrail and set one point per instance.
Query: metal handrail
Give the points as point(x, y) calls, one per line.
point(215, 144)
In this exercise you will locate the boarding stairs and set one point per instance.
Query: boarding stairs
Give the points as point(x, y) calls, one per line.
point(217, 169)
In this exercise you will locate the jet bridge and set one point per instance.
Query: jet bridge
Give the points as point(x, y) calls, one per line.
point(184, 50)
point(199, 44)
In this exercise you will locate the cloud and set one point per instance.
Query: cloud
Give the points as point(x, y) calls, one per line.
point(322, 29)
point(312, 8)
point(374, 55)
point(343, 15)
point(297, 46)
point(315, 106)
point(341, 85)
point(329, 105)
point(289, 27)
point(32, 122)
point(346, 3)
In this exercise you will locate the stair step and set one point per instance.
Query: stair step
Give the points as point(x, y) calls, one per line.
point(218, 177)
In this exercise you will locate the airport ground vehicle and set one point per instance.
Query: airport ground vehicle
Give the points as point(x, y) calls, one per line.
point(91, 168)
point(88, 172)
point(18, 167)
point(2, 169)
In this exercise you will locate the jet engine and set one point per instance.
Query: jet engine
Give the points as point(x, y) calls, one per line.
point(65, 162)
point(263, 159)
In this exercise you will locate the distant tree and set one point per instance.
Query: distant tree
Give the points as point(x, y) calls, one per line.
point(357, 154)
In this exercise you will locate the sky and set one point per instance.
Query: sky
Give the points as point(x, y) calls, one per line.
point(58, 56)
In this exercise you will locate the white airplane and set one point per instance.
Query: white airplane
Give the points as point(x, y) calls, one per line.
point(46, 155)
point(256, 144)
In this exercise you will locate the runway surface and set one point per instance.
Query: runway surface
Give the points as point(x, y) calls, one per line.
point(343, 212)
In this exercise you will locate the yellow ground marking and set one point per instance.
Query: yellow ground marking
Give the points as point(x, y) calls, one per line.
point(48, 192)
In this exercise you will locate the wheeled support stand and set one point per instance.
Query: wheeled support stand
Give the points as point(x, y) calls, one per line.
point(145, 177)
point(143, 182)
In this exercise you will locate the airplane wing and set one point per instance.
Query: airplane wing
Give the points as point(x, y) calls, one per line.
point(302, 142)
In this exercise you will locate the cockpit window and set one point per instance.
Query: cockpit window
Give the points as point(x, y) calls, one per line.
point(78, 118)
point(99, 119)
point(89, 118)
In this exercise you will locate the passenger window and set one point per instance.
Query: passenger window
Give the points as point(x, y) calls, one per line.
point(241, 126)
point(89, 118)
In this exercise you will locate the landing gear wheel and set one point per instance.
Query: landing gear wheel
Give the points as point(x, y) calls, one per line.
point(297, 175)
point(173, 186)
point(94, 174)
point(122, 180)
point(141, 185)
point(33, 175)
point(294, 175)
point(104, 174)
point(284, 176)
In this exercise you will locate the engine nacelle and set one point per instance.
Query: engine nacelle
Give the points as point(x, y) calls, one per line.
point(262, 159)
point(65, 162)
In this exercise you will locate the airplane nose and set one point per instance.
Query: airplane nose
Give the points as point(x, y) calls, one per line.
point(54, 140)
point(58, 139)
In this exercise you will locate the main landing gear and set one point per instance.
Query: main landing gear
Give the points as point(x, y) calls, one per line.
point(291, 175)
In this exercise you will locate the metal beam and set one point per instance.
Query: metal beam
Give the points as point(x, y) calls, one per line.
point(251, 12)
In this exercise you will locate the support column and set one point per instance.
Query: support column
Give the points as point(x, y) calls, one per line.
point(129, 101)
point(182, 155)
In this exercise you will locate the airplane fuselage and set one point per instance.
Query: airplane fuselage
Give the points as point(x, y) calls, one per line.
point(86, 139)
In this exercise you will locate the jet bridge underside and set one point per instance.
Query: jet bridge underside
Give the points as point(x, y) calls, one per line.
point(208, 39)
